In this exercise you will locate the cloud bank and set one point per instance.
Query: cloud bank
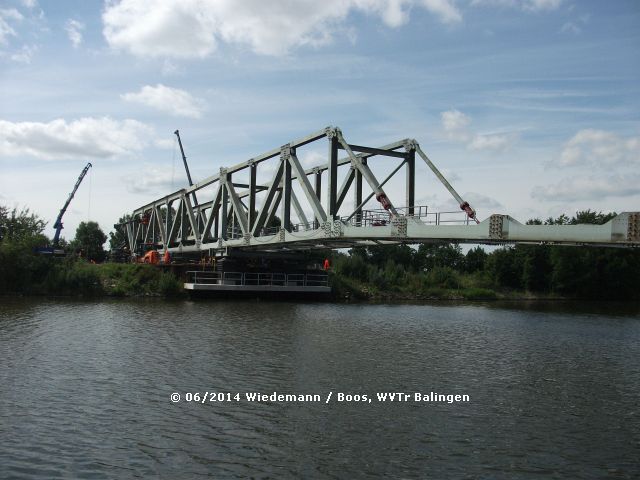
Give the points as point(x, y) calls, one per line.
point(193, 28)
point(86, 137)
point(169, 100)
point(456, 126)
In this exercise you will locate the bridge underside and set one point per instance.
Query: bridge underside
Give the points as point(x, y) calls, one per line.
point(271, 203)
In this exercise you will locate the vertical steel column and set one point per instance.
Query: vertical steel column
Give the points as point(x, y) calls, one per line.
point(411, 181)
point(183, 223)
point(225, 203)
point(286, 189)
point(232, 217)
point(318, 186)
point(358, 194)
point(252, 195)
point(332, 178)
point(167, 223)
point(153, 229)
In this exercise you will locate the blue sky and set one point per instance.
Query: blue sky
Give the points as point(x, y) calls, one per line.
point(529, 106)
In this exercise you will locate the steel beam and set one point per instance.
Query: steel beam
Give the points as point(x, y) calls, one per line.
point(332, 177)
point(253, 170)
point(366, 173)
point(238, 208)
point(286, 188)
point(261, 219)
point(410, 187)
point(375, 151)
point(312, 197)
point(299, 210)
point(357, 200)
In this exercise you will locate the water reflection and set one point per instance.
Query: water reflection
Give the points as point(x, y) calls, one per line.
point(86, 386)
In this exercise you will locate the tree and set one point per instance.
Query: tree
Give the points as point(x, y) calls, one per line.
point(505, 267)
point(89, 241)
point(19, 225)
point(117, 239)
point(596, 218)
point(431, 255)
point(475, 260)
point(537, 268)
point(380, 255)
point(561, 220)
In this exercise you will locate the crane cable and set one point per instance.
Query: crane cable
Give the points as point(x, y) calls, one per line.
point(173, 163)
point(89, 207)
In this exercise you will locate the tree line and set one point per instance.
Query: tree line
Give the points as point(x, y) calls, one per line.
point(582, 272)
point(23, 270)
point(585, 272)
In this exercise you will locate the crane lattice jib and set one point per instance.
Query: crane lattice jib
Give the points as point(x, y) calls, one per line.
point(312, 205)
point(58, 224)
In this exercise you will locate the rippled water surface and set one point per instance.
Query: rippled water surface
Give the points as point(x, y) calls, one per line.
point(85, 390)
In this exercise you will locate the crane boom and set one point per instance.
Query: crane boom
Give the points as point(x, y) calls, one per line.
point(58, 224)
point(186, 166)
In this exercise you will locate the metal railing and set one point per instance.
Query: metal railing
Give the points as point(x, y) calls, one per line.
point(234, 232)
point(259, 279)
point(381, 218)
point(373, 218)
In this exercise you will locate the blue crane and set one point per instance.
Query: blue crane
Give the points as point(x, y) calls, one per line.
point(58, 224)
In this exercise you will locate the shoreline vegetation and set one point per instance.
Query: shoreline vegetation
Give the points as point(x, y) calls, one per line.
point(381, 273)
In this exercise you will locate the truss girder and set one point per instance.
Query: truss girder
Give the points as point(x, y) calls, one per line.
point(176, 223)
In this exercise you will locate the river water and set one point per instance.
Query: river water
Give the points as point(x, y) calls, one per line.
point(85, 390)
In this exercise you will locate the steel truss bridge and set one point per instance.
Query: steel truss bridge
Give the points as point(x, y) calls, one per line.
point(232, 210)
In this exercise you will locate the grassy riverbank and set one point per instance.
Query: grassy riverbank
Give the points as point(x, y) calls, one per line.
point(464, 287)
point(76, 277)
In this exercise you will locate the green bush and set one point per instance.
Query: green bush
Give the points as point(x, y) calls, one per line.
point(168, 285)
point(478, 294)
point(443, 277)
point(354, 267)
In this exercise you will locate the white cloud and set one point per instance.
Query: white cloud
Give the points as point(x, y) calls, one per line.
point(29, 3)
point(86, 137)
point(598, 152)
point(74, 30)
point(575, 26)
point(570, 27)
point(165, 143)
point(592, 187)
point(312, 158)
point(170, 100)
point(24, 55)
point(457, 128)
point(595, 148)
point(169, 68)
point(444, 9)
point(490, 142)
point(154, 180)
point(455, 124)
point(526, 5)
point(393, 12)
point(541, 5)
point(453, 120)
point(160, 28)
point(193, 28)
point(7, 15)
